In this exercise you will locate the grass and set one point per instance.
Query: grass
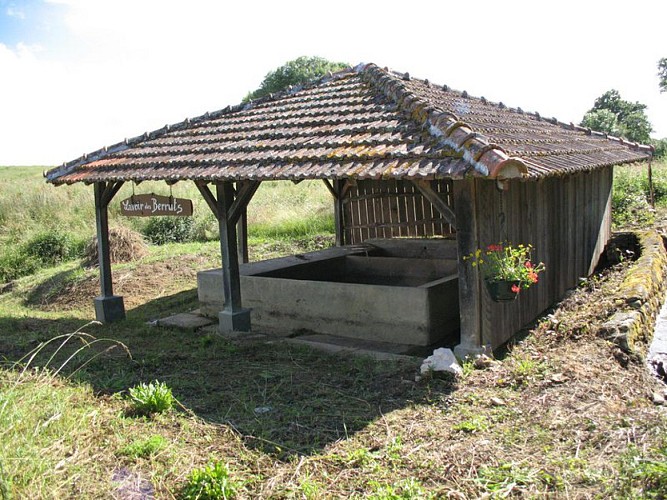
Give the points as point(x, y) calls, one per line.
point(555, 417)
point(34, 213)
point(630, 197)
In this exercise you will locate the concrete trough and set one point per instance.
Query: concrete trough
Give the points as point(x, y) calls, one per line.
point(399, 291)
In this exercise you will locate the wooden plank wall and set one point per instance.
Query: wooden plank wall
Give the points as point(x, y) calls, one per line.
point(393, 208)
point(567, 220)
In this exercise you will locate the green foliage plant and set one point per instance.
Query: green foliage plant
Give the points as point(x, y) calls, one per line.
point(660, 146)
point(154, 397)
point(641, 476)
point(16, 263)
point(211, 482)
point(53, 247)
point(296, 72)
point(144, 448)
point(615, 116)
point(629, 201)
point(163, 230)
point(662, 74)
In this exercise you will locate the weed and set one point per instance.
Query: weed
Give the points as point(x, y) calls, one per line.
point(310, 489)
point(509, 478)
point(476, 423)
point(154, 397)
point(641, 476)
point(467, 365)
point(211, 482)
point(406, 489)
point(524, 368)
point(144, 448)
point(361, 457)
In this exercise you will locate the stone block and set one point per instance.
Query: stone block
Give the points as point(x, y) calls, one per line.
point(109, 309)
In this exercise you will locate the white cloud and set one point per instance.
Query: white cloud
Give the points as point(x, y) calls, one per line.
point(12, 11)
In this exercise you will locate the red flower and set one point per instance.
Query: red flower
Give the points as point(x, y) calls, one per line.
point(528, 264)
point(533, 277)
point(495, 248)
point(515, 289)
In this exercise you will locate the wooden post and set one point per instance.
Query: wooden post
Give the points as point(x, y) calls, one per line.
point(339, 215)
point(108, 307)
point(650, 184)
point(467, 239)
point(242, 230)
point(233, 317)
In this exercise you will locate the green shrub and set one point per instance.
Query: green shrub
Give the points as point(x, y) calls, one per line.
point(161, 230)
point(154, 397)
point(15, 263)
point(660, 146)
point(210, 483)
point(53, 247)
point(629, 202)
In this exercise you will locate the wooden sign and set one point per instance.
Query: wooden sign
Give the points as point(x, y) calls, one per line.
point(145, 205)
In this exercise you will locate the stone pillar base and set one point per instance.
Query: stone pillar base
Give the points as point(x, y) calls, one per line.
point(461, 351)
point(109, 309)
point(234, 321)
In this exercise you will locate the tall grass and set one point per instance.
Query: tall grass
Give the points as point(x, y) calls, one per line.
point(46, 422)
point(631, 194)
point(31, 210)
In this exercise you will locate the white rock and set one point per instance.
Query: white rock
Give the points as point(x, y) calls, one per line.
point(442, 360)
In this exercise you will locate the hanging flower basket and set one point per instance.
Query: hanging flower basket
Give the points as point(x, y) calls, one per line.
point(507, 269)
point(503, 291)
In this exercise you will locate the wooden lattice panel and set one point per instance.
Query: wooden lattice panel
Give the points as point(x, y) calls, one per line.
point(392, 209)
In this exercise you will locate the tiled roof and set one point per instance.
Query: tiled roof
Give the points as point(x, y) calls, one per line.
point(365, 123)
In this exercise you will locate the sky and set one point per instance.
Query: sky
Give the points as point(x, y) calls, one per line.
point(77, 75)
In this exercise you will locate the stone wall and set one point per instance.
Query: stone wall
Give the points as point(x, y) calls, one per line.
point(639, 298)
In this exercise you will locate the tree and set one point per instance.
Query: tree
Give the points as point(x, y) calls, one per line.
point(296, 72)
point(615, 116)
point(662, 74)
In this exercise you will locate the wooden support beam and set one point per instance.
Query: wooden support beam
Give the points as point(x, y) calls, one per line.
point(330, 188)
point(244, 194)
point(434, 198)
point(208, 198)
point(242, 232)
point(467, 239)
point(108, 307)
point(233, 317)
point(110, 191)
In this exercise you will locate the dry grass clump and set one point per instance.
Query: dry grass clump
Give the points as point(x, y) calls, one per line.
point(125, 245)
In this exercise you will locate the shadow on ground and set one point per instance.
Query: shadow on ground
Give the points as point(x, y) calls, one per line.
point(284, 399)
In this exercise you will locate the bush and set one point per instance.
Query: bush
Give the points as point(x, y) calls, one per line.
point(629, 202)
point(154, 397)
point(210, 483)
point(660, 146)
point(53, 247)
point(15, 263)
point(161, 230)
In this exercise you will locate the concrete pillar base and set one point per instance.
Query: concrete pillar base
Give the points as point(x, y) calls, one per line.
point(234, 321)
point(109, 309)
point(461, 351)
